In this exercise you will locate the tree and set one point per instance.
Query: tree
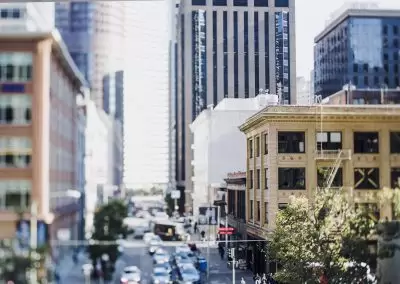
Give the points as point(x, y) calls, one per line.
point(325, 234)
point(109, 227)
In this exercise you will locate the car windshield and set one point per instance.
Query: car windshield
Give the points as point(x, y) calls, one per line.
point(130, 270)
point(189, 270)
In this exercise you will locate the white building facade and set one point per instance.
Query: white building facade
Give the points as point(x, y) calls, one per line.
point(218, 145)
point(31, 16)
point(96, 159)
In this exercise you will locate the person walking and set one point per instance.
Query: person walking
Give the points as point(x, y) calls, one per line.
point(242, 281)
point(195, 228)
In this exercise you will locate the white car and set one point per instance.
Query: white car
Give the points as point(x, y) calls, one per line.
point(190, 274)
point(183, 249)
point(147, 237)
point(161, 276)
point(131, 275)
point(160, 256)
point(154, 245)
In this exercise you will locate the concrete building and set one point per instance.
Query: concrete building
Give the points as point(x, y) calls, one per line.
point(285, 158)
point(38, 127)
point(97, 170)
point(26, 17)
point(229, 49)
point(113, 105)
point(218, 145)
point(95, 36)
point(359, 47)
point(364, 97)
point(304, 95)
point(147, 83)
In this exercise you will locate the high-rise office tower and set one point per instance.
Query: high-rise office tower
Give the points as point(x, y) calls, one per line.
point(94, 33)
point(229, 49)
point(147, 87)
point(359, 47)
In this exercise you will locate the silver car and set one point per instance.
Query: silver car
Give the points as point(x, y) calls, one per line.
point(131, 275)
point(161, 276)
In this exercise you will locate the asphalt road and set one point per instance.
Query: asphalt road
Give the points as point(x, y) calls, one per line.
point(138, 256)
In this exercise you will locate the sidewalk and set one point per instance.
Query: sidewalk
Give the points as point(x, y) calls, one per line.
point(67, 268)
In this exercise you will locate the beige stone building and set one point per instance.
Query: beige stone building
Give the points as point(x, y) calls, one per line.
point(292, 150)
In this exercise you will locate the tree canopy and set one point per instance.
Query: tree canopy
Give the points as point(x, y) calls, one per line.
point(326, 234)
point(108, 227)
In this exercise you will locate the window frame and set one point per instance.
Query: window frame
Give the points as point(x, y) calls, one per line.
point(328, 144)
point(365, 148)
point(294, 184)
point(288, 140)
point(376, 172)
point(394, 147)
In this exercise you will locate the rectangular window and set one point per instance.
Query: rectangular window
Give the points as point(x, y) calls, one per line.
point(16, 66)
point(329, 140)
point(251, 179)
point(15, 109)
point(323, 175)
point(235, 55)
point(246, 54)
point(266, 143)
point(291, 178)
point(395, 142)
point(366, 142)
point(291, 142)
point(258, 146)
point(219, 2)
point(250, 148)
point(15, 194)
point(15, 152)
point(251, 209)
point(395, 177)
point(258, 211)
point(282, 3)
point(260, 3)
point(266, 212)
point(225, 45)
point(258, 178)
point(198, 2)
point(215, 58)
point(242, 3)
point(266, 179)
point(256, 54)
point(366, 178)
point(282, 206)
point(266, 48)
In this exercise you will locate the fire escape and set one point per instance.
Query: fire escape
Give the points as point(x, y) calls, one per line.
point(336, 156)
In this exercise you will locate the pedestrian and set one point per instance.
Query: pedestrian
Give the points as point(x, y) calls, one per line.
point(257, 279)
point(264, 279)
point(242, 281)
point(323, 279)
point(195, 227)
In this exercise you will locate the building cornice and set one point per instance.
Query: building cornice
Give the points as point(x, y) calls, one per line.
point(329, 113)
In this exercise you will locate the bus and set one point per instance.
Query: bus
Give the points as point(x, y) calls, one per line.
point(168, 231)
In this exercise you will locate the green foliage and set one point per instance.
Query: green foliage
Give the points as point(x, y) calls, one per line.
point(325, 234)
point(170, 204)
point(390, 197)
point(109, 226)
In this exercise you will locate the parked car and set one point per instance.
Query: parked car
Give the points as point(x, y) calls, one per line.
point(189, 274)
point(161, 276)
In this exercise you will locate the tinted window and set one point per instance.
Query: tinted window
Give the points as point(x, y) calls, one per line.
point(239, 2)
point(291, 178)
point(219, 2)
point(198, 2)
point(281, 3)
point(261, 3)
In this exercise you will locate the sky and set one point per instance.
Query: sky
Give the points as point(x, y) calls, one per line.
point(311, 16)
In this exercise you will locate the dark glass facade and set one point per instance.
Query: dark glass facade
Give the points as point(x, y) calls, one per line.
point(282, 68)
point(363, 51)
point(225, 46)
point(199, 62)
point(235, 55)
point(246, 54)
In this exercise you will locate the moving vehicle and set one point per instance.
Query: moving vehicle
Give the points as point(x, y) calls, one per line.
point(161, 276)
point(165, 265)
point(154, 245)
point(147, 237)
point(160, 256)
point(189, 274)
point(167, 230)
point(131, 275)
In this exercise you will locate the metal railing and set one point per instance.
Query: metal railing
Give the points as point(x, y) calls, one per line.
point(322, 154)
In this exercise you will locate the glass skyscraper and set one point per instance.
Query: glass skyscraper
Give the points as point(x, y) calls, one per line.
point(361, 48)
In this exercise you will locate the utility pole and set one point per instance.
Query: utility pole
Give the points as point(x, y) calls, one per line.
point(233, 265)
point(33, 240)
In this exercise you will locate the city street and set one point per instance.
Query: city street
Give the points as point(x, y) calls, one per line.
point(138, 256)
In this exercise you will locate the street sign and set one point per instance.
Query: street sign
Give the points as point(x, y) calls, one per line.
point(226, 231)
point(175, 194)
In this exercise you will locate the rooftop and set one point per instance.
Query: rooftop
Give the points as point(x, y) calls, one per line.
point(313, 112)
point(58, 46)
point(378, 13)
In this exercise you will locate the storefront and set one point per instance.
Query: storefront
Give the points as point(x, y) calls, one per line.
point(256, 258)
